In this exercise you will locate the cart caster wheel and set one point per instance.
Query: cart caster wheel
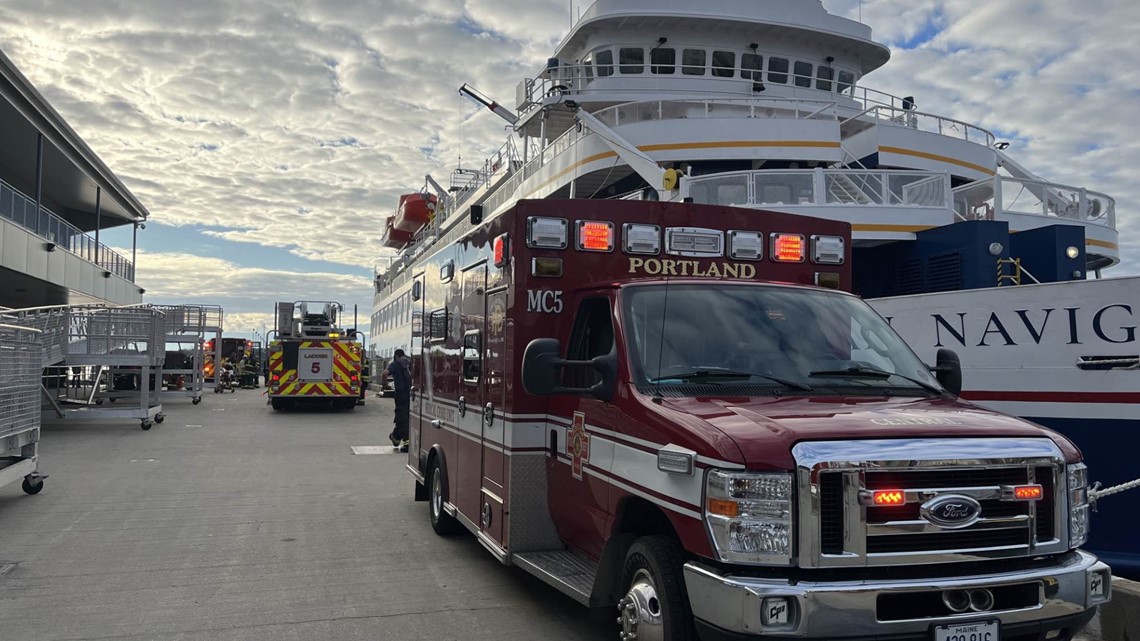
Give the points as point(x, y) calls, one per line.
point(112, 399)
point(146, 425)
point(197, 400)
point(98, 401)
point(32, 488)
point(158, 418)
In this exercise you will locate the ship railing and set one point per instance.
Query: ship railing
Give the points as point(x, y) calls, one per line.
point(824, 188)
point(581, 81)
point(21, 210)
point(990, 198)
point(505, 159)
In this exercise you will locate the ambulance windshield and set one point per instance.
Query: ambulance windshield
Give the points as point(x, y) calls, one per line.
point(811, 341)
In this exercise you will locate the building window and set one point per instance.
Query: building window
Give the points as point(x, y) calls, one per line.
point(605, 62)
point(693, 62)
point(846, 81)
point(664, 61)
point(803, 74)
point(778, 70)
point(472, 357)
point(631, 60)
point(823, 77)
point(723, 64)
point(437, 325)
point(750, 66)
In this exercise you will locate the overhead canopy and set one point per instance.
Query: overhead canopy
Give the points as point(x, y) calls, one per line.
point(72, 174)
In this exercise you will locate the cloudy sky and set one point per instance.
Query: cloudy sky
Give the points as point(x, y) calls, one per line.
point(269, 138)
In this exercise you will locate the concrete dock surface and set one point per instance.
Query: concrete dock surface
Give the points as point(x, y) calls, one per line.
point(231, 522)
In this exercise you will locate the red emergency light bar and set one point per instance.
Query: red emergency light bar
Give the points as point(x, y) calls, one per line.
point(596, 236)
point(788, 248)
point(1028, 493)
point(888, 497)
point(502, 250)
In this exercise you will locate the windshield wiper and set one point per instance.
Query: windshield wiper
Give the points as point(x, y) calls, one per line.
point(728, 373)
point(855, 372)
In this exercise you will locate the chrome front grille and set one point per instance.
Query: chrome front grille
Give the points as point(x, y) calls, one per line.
point(840, 526)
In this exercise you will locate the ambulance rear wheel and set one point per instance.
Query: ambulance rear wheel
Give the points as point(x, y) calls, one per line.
point(442, 522)
point(655, 605)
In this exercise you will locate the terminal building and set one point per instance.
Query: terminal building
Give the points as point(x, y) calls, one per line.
point(56, 198)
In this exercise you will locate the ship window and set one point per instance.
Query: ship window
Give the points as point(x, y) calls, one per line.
point(693, 62)
point(778, 70)
point(588, 67)
point(823, 76)
point(750, 66)
point(605, 61)
point(723, 64)
point(846, 81)
point(664, 61)
point(803, 74)
point(632, 60)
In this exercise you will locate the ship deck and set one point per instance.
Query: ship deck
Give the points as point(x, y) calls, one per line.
point(230, 522)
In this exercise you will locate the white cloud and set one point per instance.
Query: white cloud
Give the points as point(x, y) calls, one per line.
point(247, 295)
point(296, 123)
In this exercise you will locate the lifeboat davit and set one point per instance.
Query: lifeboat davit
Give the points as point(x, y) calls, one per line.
point(396, 238)
point(415, 211)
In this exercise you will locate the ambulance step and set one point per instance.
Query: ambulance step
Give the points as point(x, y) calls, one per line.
point(567, 572)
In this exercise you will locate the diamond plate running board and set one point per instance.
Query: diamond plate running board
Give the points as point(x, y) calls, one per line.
point(565, 571)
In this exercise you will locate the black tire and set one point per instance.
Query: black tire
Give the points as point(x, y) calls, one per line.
point(277, 404)
point(653, 590)
point(146, 425)
point(197, 400)
point(158, 418)
point(443, 523)
point(32, 488)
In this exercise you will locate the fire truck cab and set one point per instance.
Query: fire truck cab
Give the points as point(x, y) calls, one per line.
point(674, 414)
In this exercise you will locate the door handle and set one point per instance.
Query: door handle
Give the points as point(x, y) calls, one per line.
point(436, 423)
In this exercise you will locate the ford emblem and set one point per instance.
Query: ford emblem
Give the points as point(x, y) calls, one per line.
point(951, 511)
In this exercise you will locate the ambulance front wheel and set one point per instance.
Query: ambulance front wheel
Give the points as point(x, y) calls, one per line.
point(442, 522)
point(655, 605)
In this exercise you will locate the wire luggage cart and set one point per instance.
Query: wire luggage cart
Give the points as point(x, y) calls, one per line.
point(21, 360)
point(184, 369)
point(126, 348)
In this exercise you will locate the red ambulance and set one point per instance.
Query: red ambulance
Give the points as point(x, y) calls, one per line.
point(674, 414)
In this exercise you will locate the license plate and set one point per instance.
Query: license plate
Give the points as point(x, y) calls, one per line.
point(983, 631)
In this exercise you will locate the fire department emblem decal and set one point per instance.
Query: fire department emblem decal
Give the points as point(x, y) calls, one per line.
point(578, 445)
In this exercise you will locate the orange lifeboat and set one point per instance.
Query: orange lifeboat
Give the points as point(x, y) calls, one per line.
point(415, 211)
point(396, 238)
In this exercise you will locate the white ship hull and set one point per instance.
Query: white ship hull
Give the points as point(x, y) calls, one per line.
point(1061, 354)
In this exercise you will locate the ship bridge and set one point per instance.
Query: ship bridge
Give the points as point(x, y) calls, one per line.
point(56, 197)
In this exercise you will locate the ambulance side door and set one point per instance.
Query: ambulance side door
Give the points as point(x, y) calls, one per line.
point(578, 476)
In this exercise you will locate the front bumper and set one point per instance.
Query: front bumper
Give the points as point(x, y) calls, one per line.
point(730, 606)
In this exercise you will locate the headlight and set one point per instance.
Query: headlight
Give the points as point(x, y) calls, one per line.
point(749, 516)
point(1078, 475)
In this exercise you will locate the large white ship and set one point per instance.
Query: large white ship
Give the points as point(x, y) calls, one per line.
point(767, 104)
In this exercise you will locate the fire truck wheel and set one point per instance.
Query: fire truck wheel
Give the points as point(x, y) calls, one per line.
point(442, 522)
point(655, 605)
point(277, 404)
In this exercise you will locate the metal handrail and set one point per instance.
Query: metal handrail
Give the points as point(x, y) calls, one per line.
point(828, 188)
point(991, 197)
point(21, 210)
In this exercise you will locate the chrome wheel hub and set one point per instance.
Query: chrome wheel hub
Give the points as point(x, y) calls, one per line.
point(639, 611)
point(436, 496)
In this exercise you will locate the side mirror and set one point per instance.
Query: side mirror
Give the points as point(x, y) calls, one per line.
point(948, 371)
point(542, 371)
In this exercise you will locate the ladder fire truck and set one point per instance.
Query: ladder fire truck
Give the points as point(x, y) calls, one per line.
point(676, 413)
point(313, 359)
